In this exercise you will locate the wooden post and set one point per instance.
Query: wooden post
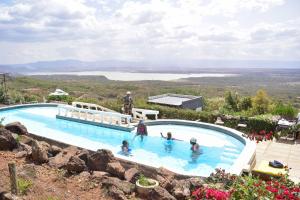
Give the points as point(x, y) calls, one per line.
point(13, 178)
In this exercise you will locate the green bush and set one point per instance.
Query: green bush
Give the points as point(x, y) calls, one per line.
point(287, 111)
point(64, 98)
point(24, 185)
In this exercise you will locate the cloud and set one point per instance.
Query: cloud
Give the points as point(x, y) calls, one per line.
point(147, 29)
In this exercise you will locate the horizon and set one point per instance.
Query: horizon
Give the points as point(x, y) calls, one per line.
point(150, 31)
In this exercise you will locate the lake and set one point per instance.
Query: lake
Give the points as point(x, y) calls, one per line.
point(139, 76)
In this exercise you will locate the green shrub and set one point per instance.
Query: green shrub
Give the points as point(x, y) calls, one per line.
point(287, 111)
point(24, 185)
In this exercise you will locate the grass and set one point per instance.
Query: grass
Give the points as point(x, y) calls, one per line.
point(24, 185)
point(145, 181)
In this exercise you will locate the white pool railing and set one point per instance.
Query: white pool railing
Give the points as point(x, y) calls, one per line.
point(92, 115)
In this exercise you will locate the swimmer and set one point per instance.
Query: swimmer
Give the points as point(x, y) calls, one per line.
point(169, 136)
point(125, 148)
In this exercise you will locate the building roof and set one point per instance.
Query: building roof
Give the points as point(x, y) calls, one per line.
point(171, 99)
point(58, 92)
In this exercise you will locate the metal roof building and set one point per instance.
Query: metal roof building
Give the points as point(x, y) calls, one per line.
point(178, 100)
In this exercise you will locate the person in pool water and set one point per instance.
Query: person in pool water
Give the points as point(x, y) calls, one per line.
point(141, 130)
point(125, 148)
point(169, 136)
point(169, 142)
point(195, 150)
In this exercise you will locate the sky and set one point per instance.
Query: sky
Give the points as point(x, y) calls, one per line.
point(149, 30)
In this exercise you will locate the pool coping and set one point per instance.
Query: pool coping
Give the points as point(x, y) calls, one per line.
point(245, 160)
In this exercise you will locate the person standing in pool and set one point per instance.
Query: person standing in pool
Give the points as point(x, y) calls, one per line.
point(195, 148)
point(169, 136)
point(141, 130)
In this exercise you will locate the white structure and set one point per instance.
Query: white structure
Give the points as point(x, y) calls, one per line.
point(59, 92)
point(101, 118)
point(284, 122)
point(139, 113)
point(90, 106)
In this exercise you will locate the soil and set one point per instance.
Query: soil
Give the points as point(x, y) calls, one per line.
point(50, 183)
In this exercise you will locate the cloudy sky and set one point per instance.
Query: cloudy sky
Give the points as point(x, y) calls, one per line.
point(144, 30)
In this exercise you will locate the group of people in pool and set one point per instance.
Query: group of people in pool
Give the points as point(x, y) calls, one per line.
point(142, 131)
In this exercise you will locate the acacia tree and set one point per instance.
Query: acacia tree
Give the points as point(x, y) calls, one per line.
point(261, 102)
point(231, 101)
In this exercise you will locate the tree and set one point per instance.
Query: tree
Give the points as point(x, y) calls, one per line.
point(245, 103)
point(261, 102)
point(231, 101)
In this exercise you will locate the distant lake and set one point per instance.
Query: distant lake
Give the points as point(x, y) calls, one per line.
point(132, 76)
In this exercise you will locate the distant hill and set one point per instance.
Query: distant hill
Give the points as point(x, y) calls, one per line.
point(161, 66)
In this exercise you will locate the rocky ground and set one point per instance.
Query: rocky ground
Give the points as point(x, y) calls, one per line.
point(49, 183)
point(67, 172)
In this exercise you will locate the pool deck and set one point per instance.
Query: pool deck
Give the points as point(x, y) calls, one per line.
point(286, 152)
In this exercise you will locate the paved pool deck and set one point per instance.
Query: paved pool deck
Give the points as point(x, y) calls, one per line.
point(286, 152)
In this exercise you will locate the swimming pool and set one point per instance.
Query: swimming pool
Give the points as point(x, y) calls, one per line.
point(220, 147)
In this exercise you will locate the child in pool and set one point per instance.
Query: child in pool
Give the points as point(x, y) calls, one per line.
point(125, 148)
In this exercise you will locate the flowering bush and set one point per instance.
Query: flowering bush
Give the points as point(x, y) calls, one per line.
point(260, 136)
point(247, 187)
point(210, 193)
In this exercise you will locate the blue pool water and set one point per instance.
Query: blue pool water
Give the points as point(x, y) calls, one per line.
point(217, 149)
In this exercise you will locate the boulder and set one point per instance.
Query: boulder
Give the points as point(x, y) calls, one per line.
point(54, 150)
point(25, 147)
point(84, 155)
point(161, 194)
point(181, 189)
point(165, 183)
point(7, 141)
point(196, 182)
point(27, 140)
point(61, 159)
point(124, 186)
point(116, 193)
point(40, 152)
point(132, 175)
point(17, 127)
point(98, 161)
point(21, 154)
point(75, 165)
point(116, 169)
point(99, 174)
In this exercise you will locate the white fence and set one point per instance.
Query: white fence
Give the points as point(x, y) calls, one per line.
point(112, 118)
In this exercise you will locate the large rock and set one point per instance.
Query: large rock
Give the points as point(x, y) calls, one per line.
point(84, 155)
point(124, 186)
point(98, 161)
point(61, 159)
point(54, 150)
point(40, 152)
point(7, 141)
point(181, 189)
point(132, 175)
point(160, 193)
point(75, 165)
point(116, 169)
point(116, 193)
point(17, 127)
